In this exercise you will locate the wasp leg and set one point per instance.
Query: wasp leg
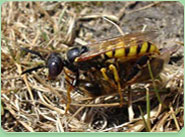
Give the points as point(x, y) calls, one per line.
point(70, 87)
point(117, 79)
point(103, 71)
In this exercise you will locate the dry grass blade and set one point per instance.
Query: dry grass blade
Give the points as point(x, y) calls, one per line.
point(159, 126)
point(29, 89)
point(33, 103)
point(71, 33)
point(119, 29)
point(145, 7)
point(43, 82)
point(96, 105)
point(30, 129)
point(50, 106)
point(175, 118)
point(39, 7)
point(130, 107)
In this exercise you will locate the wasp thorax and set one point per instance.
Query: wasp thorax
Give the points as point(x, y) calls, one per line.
point(73, 53)
point(55, 65)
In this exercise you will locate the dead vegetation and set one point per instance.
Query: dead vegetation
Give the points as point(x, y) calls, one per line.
point(31, 103)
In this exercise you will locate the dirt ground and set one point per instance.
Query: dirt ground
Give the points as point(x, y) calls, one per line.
point(32, 103)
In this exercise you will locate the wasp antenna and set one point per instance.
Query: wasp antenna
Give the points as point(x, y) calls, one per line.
point(32, 69)
point(33, 52)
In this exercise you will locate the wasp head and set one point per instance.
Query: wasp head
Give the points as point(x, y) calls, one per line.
point(55, 65)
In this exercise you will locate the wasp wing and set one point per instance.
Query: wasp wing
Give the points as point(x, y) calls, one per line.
point(106, 45)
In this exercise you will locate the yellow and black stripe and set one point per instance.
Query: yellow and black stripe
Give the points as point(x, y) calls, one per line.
point(132, 51)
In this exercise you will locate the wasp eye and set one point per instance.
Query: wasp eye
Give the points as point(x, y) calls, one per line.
point(55, 65)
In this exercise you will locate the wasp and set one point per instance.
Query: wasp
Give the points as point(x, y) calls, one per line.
point(106, 62)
